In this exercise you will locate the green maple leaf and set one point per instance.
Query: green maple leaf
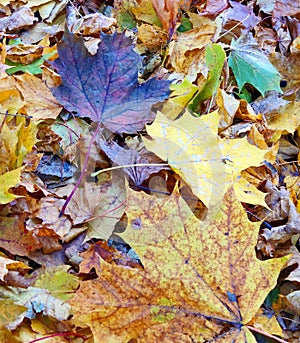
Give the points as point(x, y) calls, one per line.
point(250, 65)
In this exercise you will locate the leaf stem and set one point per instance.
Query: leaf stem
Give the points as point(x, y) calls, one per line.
point(61, 334)
point(252, 328)
point(130, 166)
point(236, 25)
point(82, 174)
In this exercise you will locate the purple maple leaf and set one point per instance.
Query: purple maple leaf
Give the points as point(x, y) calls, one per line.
point(105, 87)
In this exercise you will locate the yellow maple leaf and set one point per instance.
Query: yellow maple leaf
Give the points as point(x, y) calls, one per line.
point(201, 281)
point(193, 149)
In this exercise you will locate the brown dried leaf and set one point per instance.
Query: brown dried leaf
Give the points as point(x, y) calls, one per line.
point(39, 102)
point(93, 24)
point(47, 217)
point(94, 201)
point(151, 37)
point(17, 241)
point(20, 19)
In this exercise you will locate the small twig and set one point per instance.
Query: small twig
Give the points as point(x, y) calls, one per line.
point(16, 115)
point(252, 328)
point(3, 121)
point(130, 166)
point(270, 227)
point(236, 25)
point(82, 174)
point(67, 333)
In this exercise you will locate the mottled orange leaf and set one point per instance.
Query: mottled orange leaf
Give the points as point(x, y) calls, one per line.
point(199, 278)
point(17, 240)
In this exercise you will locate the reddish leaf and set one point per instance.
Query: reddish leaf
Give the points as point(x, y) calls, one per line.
point(167, 11)
point(105, 87)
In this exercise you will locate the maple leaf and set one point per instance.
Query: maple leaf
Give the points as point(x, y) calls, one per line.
point(193, 149)
point(193, 274)
point(279, 7)
point(15, 142)
point(105, 87)
point(11, 100)
point(143, 10)
point(101, 205)
point(17, 241)
point(58, 282)
point(250, 65)
point(182, 94)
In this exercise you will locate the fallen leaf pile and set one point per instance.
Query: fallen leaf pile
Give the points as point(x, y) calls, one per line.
point(149, 171)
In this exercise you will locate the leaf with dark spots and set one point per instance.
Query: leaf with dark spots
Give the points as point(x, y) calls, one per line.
point(105, 87)
point(192, 273)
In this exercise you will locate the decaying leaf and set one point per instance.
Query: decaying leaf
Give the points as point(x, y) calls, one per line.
point(283, 209)
point(39, 102)
point(279, 7)
point(35, 300)
point(170, 255)
point(24, 17)
point(187, 289)
point(58, 282)
point(186, 53)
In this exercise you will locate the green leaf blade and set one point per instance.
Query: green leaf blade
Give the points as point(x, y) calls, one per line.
point(250, 65)
point(215, 58)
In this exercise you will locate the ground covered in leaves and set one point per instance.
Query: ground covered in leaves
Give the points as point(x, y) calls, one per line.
point(149, 171)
